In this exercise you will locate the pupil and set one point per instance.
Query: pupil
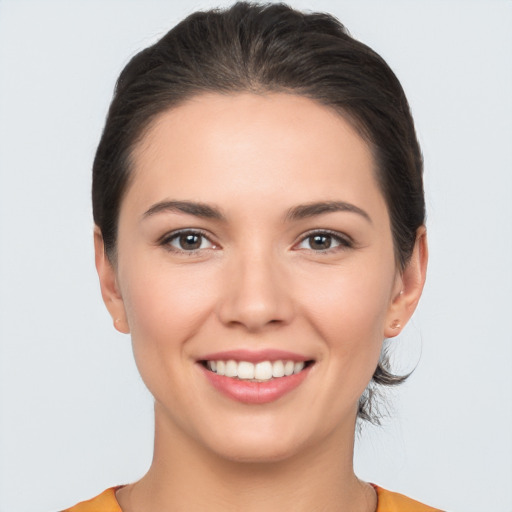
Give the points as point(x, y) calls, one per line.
point(190, 241)
point(321, 242)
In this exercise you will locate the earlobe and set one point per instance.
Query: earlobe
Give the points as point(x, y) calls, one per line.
point(412, 281)
point(108, 283)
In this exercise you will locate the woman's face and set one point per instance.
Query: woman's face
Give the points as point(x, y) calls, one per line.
point(254, 233)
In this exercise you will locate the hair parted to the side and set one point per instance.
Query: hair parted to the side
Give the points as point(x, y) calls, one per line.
point(263, 49)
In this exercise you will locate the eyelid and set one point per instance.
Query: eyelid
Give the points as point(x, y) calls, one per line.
point(345, 241)
point(167, 238)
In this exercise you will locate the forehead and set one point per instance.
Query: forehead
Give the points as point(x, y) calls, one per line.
point(279, 146)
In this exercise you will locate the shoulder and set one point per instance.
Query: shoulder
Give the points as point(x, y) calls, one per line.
point(105, 502)
point(389, 501)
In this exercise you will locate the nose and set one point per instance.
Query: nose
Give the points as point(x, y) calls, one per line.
point(257, 293)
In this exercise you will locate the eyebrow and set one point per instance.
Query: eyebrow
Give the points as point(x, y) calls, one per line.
point(304, 211)
point(203, 210)
point(299, 212)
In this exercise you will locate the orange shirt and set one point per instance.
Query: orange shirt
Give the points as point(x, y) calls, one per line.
point(387, 502)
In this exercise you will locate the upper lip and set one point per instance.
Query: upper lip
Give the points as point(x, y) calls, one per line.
point(255, 356)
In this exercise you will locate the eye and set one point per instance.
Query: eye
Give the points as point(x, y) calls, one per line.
point(187, 241)
point(324, 241)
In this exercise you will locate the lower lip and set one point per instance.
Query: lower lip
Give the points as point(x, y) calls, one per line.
point(249, 392)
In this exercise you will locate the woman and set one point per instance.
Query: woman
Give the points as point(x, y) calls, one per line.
point(259, 212)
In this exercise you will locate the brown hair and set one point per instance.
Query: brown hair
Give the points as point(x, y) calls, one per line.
point(268, 48)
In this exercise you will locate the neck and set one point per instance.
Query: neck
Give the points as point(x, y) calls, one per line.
point(187, 476)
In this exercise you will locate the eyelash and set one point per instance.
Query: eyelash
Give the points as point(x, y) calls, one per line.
point(343, 241)
point(175, 235)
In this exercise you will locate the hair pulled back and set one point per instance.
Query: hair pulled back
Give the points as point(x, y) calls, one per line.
point(263, 49)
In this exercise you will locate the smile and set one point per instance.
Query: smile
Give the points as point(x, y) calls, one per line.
point(256, 372)
point(255, 377)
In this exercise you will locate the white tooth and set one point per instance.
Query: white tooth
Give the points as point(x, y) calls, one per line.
point(278, 369)
point(298, 367)
point(231, 369)
point(288, 368)
point(245, 370)
point(221, 367)
point(263, 371)
point(212, 365)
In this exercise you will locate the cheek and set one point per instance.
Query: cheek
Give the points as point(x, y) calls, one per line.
point(351, 304)
point(349, 310)
point(165, 307)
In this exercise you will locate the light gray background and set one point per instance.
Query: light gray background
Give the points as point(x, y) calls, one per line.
point(75, 417)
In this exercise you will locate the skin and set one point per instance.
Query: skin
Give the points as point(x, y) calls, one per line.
point(256, 282)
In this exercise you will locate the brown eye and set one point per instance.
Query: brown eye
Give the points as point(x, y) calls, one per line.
point(187, 241)
point(320, 242)
point(190, 241)
point(324, 241)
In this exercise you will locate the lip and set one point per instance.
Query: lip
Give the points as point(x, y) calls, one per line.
point(250, 392)
point(255, 356)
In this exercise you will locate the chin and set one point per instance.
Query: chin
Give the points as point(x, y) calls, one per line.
point(257, 452)
point(259, 444)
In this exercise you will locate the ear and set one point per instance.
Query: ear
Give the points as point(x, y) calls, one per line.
point(108, 284)
point(408, 287)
